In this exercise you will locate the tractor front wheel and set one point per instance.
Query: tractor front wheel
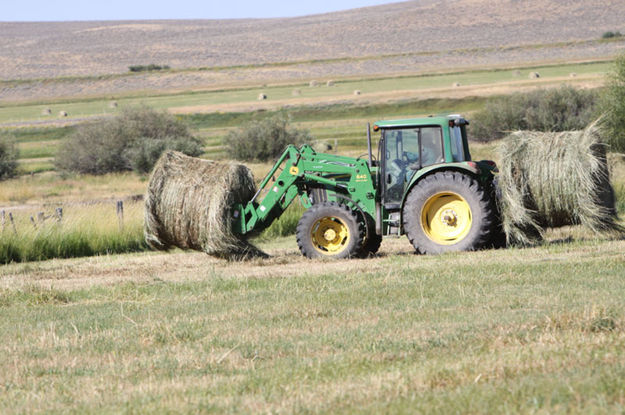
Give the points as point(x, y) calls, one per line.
point(449, 211)
point(329, 230)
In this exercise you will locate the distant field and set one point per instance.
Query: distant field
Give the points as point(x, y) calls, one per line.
point(374, 89)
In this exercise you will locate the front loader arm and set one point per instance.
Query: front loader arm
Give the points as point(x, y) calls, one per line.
point(301, 168)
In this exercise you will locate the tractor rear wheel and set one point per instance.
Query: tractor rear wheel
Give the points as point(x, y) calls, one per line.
point(329, 230)
point(449, 211)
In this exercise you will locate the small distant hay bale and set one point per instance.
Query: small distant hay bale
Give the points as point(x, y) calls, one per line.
point(357, 92)
point(573, 75)
point(62, 113)
point(554, 180)
point(189, 205)
point(330, 83)
point(534, 75)
point(456, 84)
point(321, 146)
point(262, 96)
point(113, 104)
point(296, 92)
point(516, 73)
point(46, 111)
point(313, 83)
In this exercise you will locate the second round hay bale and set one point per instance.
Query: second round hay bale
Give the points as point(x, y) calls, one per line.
point(553, 180)
point(189, 205)
point(534, 75)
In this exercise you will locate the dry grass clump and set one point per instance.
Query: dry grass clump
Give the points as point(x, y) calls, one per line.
point(553, 180)
point(188, 205)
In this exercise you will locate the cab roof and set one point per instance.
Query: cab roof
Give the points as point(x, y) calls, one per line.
point(416, 122)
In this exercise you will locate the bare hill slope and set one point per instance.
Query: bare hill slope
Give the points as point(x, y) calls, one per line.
point(34, 50)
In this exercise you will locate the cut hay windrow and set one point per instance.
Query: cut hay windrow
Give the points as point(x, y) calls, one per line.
point(188, 205)
point(553, 180)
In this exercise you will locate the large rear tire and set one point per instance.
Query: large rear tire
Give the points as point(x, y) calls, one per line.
point(329, 230)
point(449, 211)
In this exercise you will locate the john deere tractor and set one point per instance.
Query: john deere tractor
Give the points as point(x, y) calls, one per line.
point(423, 184)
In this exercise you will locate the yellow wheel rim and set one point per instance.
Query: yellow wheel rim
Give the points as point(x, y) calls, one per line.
point(446, 218)
point(329, 235)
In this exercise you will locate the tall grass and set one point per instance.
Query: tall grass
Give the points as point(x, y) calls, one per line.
point(83, 231)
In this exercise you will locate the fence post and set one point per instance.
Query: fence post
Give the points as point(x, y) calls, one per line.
point(32, 220)
point(336, 145)
point(41, 217)
point(3, 220)
point(59, 214)
point(120, 213)
point(12, 222)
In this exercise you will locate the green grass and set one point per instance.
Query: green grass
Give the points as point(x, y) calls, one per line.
point(532, 331)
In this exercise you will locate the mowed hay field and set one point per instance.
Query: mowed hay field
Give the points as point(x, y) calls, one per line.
point(533, 330)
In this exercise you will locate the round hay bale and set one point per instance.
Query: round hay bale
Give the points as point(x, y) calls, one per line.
point(46, 111)
point(189, 205)
point(456, 84)
point(572, 75)
point(313, 84)
point(62, 113)
point(534, 75)
point(330, 83)
point(357, 92)
point(554, 180)
point(296, 92)
point(262, 96)
point(113, 104)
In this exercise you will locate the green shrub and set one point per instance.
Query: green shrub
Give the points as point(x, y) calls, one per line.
point(613, 106)
point(147, 68)
point(8, 156)
point(134, 140)
point(610, 35)
point(264, 140)
point(558, 109)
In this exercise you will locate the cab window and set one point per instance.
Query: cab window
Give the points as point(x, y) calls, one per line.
point(407, 150)
point(457, 147)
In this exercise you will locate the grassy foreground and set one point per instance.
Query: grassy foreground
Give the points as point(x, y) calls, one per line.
point(532, 331)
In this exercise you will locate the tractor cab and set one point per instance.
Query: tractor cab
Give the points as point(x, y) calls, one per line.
point(408, 146)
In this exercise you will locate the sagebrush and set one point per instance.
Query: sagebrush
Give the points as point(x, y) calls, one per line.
point(134, 140)
point(613, 106)
point(559, 109)
point(8, 155)
point(263, 140)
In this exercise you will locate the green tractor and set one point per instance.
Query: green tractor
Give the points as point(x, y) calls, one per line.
point(423, 184)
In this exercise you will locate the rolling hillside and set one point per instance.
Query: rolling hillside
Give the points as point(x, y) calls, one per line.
point(44, 50)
